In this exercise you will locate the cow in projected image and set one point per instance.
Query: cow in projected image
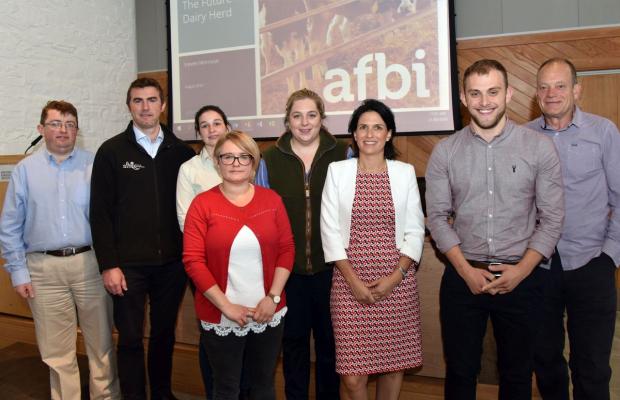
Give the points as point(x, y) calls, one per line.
point(294, 41)
point(286, 45)
point(342, 24)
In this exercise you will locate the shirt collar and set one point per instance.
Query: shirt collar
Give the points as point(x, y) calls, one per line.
point(577, 121)
point(141, 136)
point(204, 154)
point(50, 157)
point(501, 136)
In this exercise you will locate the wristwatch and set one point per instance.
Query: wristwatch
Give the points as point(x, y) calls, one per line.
point(276, 299)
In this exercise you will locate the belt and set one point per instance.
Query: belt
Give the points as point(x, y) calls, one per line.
point(485, 265)
point(67, 251)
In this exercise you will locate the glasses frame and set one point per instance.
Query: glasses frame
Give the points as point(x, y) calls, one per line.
point(250, 158)
point(57, 125)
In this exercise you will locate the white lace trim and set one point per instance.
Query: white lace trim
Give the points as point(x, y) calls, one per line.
point(243, 331)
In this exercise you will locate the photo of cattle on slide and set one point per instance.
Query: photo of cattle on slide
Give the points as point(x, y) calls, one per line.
point(324, 45)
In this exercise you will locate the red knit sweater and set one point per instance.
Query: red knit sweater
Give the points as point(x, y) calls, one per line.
point(211, 225)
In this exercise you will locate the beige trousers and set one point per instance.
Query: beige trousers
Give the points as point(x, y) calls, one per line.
point(68, 290)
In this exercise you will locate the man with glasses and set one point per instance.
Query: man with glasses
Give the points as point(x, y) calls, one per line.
point(46, 242)
point(137, 238)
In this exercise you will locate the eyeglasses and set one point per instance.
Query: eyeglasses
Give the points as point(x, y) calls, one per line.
point(69, 125)
point(229, 159)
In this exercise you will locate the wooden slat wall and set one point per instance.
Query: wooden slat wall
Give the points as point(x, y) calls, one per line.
point(588, 49)
point(10, 301)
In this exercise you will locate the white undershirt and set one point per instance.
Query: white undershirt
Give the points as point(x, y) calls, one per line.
point(245, 285)
point(245, 272)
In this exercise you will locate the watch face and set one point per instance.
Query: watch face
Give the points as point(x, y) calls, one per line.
point(276, 299)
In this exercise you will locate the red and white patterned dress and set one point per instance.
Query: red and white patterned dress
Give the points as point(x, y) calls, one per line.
point(384, 336)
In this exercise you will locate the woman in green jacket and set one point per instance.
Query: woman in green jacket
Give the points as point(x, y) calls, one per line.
point(296, 167)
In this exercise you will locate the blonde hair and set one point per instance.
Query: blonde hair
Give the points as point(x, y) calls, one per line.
point(244, 142)
point(302, 94)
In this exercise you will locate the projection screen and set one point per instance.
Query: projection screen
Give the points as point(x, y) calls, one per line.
point(247, 56)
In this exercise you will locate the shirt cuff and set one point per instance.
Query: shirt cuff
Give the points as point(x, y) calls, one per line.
point(544, 248)
point(446, 240)
point(20, 277)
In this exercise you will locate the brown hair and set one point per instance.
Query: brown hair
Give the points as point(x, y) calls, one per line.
point(141, 83)
point(63, 107)
point(483, 67)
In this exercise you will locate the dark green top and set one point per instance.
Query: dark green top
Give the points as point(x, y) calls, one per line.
point(301, 194)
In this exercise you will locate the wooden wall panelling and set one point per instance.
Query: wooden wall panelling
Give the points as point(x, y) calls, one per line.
point(601, 95)
point(10, 301)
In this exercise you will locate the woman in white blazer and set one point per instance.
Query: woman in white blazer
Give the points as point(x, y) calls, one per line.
point(372, 228)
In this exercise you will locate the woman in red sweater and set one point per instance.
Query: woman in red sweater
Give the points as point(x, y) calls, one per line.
point(239, 251)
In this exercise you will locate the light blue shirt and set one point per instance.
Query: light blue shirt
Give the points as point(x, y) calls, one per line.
point(146, 143)
point(46, 208)
point(589, 149)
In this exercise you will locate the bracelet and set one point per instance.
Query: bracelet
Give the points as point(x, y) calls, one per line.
point(402, 271)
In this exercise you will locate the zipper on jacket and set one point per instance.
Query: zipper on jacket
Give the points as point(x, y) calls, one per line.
point(308, 227)
point(308, 222)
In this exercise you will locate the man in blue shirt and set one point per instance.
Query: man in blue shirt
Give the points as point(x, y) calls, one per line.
point(46, 242)
point(581, 276)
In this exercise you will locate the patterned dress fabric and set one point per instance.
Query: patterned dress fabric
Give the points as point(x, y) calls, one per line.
point(385, 336)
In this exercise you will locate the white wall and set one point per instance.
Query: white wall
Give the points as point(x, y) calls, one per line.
point(493, 17)
point(82, 51)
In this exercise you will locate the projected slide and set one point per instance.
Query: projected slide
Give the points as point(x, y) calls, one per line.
point(247, 56)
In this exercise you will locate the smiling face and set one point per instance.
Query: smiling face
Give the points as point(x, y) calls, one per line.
point(211, 126)
point(59, 140)
point(557, 93)
point(304, 121)
point(371, 134)
point(145, 107)
point(485, 97)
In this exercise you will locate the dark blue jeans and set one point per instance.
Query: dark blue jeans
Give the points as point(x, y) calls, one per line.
point(588, 294)
point(463, 324)
point(307, 298)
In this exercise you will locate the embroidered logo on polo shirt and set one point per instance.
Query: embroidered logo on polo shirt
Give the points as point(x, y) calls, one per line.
point(133, 165)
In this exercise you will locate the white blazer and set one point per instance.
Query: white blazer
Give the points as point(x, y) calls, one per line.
point(337, 205)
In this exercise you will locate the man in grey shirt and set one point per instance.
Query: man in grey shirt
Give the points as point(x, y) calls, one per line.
point(581, 277)
point(495, 209)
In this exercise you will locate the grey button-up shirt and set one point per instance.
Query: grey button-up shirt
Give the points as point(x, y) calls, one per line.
point(589, 150)
point(497, 199)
